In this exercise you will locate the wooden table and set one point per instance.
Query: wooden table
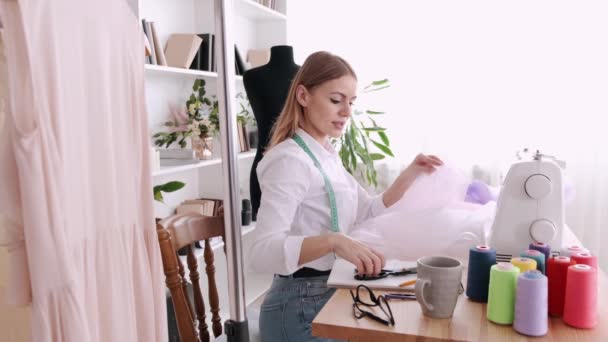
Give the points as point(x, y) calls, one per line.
point(468, 323)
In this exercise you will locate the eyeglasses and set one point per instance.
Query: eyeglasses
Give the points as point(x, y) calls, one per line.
point(364, 299)
point(386, 273)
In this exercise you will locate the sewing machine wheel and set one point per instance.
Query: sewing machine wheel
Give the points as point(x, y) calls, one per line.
point(543, 231)
point(538, 186)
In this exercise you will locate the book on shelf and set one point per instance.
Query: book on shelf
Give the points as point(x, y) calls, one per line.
point(272, 4)
point(204, 206)
point(203, 60)
point(148, 31)
point(158, 48)
point(147, 49)
point(239, 64)
point(181, 49)
point(243, 138)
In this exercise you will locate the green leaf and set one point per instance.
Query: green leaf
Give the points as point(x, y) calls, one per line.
point(376, 89)
point(383, 148)
point(196, 85)
point(172, 186)
point(384, 138)
point(371, 112)
point(377, 83)
point(373, 129)
point(377, 156)
point(158, 196)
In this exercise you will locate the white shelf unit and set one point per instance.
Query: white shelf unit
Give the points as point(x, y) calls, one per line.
point(254, 27)
point(165, 170)
point(161, 69)
point(255, 11)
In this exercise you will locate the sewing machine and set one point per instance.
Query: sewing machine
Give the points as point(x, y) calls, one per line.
point(530, 207)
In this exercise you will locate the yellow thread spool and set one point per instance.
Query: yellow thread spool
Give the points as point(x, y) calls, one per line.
point(524, 264)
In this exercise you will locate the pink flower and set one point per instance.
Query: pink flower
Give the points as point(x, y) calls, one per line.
point(180, 117)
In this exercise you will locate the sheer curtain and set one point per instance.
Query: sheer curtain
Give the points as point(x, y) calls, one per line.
point(475, 81)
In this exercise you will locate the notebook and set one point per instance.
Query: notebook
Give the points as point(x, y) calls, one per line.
point(343, 275)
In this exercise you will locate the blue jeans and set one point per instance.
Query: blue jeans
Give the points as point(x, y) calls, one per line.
point(290, 306)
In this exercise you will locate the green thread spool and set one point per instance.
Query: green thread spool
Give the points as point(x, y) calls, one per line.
point(501, 293)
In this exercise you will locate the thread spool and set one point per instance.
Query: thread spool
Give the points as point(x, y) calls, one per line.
point(481, 259)
point(543, 248)
point(531, 304)
point(580, 306)
point(501, 293)
point(536, 256)
point(524, 264)
point(557, 272)
point(568, 251)
point(585, 259)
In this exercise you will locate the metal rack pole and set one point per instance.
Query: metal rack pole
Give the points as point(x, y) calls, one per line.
point(236, 328)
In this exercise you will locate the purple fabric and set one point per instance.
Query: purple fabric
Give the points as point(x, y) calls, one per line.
point(478, 192)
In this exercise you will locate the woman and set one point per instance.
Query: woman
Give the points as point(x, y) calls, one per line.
point(310, 202)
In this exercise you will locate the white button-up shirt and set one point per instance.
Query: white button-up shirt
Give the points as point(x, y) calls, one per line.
point(295, 204)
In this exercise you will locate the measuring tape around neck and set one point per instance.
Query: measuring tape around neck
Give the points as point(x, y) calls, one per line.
point(330, 190)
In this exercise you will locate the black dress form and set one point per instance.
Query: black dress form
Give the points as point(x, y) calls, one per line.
point(267, 87)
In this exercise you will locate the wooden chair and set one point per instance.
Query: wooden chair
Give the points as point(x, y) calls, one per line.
point(180, 231)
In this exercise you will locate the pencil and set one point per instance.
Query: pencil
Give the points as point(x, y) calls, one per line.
point(407, 283)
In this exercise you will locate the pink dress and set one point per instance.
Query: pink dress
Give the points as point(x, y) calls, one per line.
point(75, 197)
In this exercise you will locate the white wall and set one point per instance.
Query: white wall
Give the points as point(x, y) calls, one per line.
point(474, 81)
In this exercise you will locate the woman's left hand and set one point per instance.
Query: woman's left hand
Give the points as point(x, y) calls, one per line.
point(423, 164)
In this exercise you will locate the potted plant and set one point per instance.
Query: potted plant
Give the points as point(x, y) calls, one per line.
point(361, 133)
point(199, 121)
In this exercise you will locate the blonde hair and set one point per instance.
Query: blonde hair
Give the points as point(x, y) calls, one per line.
point(318, 68)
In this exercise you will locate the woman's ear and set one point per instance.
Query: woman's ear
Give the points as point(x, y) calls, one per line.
point(302, 95)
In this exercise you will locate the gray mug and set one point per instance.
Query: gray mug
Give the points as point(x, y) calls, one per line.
point(438, 285)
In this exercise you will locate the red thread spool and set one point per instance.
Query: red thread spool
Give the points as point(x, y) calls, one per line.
point(585, 259)
point(557, 272)
point(580, 306)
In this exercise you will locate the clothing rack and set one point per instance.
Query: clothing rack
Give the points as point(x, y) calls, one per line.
point(236, 328)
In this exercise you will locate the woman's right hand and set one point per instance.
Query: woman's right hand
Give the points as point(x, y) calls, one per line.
point(367, 260)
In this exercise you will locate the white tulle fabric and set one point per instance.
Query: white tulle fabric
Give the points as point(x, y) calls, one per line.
point(432, 218)
point(76, 202)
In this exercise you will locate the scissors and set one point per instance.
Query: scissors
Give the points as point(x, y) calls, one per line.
point(385, 273)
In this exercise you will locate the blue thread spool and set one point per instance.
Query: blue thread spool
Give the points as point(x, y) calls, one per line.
point(536, 255)
point(481, 259)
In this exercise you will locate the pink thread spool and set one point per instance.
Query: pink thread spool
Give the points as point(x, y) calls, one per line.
point(580, 305)
point(585, 259)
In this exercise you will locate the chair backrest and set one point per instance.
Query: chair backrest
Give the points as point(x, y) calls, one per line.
point(182, 231)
